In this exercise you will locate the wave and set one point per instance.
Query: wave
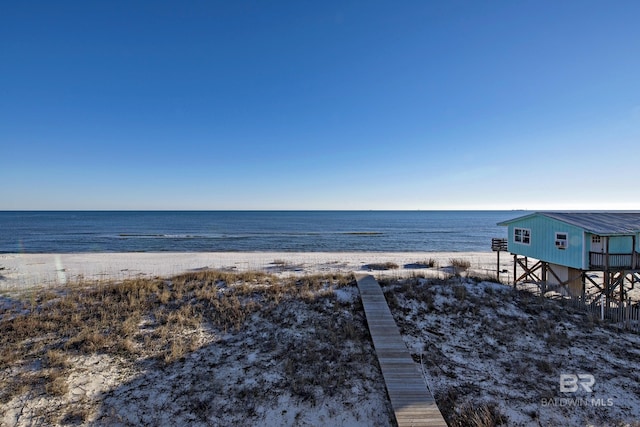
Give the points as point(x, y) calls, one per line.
point(184, 236)
point(162, 236)
point(363, 233)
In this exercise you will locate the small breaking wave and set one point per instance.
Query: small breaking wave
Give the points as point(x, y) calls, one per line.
point(363, 233)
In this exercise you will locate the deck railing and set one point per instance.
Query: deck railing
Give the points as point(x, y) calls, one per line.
point(600, 261)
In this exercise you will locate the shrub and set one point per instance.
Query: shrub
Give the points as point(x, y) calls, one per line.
point(56, 385)
point(460, 292)
point(57, 359)
point(382, 266)
point(460, 264)
point(483, 416)
point(431, 263)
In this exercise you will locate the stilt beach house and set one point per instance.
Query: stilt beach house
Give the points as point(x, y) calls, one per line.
point(573, 249)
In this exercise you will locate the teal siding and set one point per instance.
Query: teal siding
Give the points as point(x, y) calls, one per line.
point(620, 244)
point(542, 246)
point(543, 238)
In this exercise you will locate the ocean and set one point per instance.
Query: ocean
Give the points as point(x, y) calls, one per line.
point(218, 231)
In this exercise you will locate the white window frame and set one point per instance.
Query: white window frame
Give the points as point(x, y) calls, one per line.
point(522, 236)
point(562, 240)
point(595, 238)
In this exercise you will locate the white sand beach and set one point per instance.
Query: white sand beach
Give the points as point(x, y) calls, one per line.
point(33, 270)
point(486, 351)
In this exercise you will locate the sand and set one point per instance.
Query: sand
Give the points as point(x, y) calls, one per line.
point(33, 270)
point(482, 345)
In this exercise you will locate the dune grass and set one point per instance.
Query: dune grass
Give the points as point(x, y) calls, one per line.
point(150, 318)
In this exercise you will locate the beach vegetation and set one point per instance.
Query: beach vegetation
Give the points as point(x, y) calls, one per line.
point(504, 336)
point(162, 321)
point(382, 266)
point(485, 415)
point(484, 277)
point(460, 292)
point(425, 263)
point(460, 264)
point(259, 338)
point(431, 263)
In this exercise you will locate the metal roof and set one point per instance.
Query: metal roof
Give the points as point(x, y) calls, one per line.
point(601, 223)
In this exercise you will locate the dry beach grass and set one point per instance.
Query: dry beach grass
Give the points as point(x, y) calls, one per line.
point(494, 355)
point(254, 348)
point(206, 347)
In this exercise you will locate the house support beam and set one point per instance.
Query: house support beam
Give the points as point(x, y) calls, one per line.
point(529, 273)
point(615, 284)
point(593, 282)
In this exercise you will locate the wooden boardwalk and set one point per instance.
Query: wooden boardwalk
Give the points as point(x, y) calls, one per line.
point(412, 402)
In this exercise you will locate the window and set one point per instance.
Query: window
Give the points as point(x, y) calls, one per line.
point(522, 235)
point(562, 240)
point(596, 239)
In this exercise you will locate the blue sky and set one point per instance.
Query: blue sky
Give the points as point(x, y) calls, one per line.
point(320, 105)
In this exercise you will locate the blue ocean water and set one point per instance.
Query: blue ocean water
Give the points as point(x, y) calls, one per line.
point(213, 231)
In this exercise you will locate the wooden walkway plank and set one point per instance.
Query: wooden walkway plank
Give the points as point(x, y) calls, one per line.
point(412, 403)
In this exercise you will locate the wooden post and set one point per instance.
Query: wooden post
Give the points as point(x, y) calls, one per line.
point(627, 319)
point(607, 275)
point(515, 269)
point(498, 267)
point(607, 289)
point(621, 283)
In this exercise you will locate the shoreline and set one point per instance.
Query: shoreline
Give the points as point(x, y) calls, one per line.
point(54, 269)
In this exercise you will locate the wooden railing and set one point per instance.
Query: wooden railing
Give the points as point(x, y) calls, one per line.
point(600, 261)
